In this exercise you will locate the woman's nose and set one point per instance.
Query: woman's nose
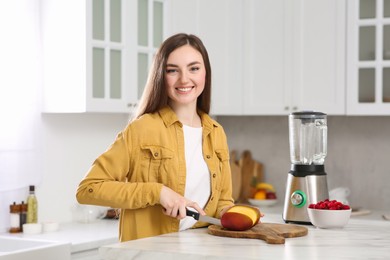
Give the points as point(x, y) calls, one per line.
point(183, 77)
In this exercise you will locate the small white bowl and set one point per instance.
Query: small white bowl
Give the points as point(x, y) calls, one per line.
point(50, 227)
point(32, 228)
point(263, 203)
point(326, 218)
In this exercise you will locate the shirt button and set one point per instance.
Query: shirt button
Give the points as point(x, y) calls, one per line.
point(212, 198)
point(90, 190)
point(214, 175)
point(208, 156)
point(155, 154)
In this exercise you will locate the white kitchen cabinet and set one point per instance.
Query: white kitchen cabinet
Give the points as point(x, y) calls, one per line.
point(219, 25)
point(151, 30)
point(294, 56)
point(94, 53)
point(265, 86)
point(368, 57)
point(86, 50)
point(271, 57)
point(319, 56)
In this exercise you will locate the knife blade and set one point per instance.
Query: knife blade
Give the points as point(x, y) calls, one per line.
point(202, 218)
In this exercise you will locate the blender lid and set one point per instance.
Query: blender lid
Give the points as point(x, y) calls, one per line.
point(308, 115)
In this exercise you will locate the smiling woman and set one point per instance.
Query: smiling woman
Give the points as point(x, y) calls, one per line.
point(19, 100)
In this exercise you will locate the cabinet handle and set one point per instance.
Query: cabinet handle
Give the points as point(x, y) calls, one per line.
point(295, 108)
point(286, 108)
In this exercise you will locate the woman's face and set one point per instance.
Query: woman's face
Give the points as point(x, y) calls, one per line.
point(185, 75)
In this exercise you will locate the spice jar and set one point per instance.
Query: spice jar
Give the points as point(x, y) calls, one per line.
point(23, 215)
point(14, 218)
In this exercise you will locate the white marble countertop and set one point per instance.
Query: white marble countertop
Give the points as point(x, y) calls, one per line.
point(82, 236)
point(362, 238)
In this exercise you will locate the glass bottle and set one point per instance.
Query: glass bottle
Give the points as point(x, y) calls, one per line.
point(32, 206)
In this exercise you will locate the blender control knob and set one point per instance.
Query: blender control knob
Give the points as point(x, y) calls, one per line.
point(298, 198)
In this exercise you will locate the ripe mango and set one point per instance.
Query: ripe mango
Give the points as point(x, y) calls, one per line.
point(240, 218)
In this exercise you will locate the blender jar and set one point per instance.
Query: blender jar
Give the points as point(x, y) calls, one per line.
point(308, 137)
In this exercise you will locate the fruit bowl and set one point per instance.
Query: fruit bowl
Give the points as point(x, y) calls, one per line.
point(323, 218)
point(263, 203)
point(329, 214)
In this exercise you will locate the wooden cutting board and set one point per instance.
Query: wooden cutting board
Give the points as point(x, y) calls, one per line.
point(251, 171)
point(272, 233)
point(236, 175)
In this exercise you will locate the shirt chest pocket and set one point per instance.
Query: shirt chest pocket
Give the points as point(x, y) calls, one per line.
point(156, 163)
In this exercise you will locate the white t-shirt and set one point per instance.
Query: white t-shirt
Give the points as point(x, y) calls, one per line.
point(198, 186)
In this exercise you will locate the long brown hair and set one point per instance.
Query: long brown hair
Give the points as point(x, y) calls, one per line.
point(155, 95)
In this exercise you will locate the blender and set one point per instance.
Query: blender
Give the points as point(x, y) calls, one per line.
point(306, 180)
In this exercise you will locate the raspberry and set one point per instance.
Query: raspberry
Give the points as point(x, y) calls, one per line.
point(329, 205)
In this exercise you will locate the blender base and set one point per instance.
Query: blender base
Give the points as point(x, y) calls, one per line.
point(300, 193)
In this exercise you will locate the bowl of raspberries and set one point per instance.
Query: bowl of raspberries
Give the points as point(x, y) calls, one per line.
point(329, 214)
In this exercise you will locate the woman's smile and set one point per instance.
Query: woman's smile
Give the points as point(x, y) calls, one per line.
point(184, 89)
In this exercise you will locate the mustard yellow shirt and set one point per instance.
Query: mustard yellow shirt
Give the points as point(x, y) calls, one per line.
point(146, 155)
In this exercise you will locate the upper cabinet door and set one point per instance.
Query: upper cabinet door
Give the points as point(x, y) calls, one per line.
point(368, 57)
point(84, 52)
point(318, 54)
point(150, 34)
point(266, 90)
point(97, 52)
point(106, 56)
point(219, 25)
point(220, 28)
point(294, 56)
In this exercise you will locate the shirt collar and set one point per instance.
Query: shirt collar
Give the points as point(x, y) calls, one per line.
point(169, 117)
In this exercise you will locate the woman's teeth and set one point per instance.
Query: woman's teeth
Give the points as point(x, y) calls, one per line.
point(184, 89)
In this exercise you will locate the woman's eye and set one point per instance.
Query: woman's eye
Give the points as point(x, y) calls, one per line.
point(170, 71)
point(194, 68)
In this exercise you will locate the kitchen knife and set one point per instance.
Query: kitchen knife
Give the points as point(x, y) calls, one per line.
point(206, 219)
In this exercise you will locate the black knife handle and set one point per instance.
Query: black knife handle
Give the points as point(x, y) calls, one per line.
point(193, 214)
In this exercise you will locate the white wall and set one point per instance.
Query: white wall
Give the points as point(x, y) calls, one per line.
point(50, 151)
point(20, 81)
point(70, 144)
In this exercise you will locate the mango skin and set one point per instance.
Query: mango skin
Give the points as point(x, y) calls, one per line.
point(236, 221)
point(240, 218)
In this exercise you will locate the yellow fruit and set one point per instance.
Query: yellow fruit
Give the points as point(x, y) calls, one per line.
point(260, 195)
point(265, 186)
point(240, 217)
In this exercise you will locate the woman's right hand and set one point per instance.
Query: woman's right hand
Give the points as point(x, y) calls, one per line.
point(175, 205)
